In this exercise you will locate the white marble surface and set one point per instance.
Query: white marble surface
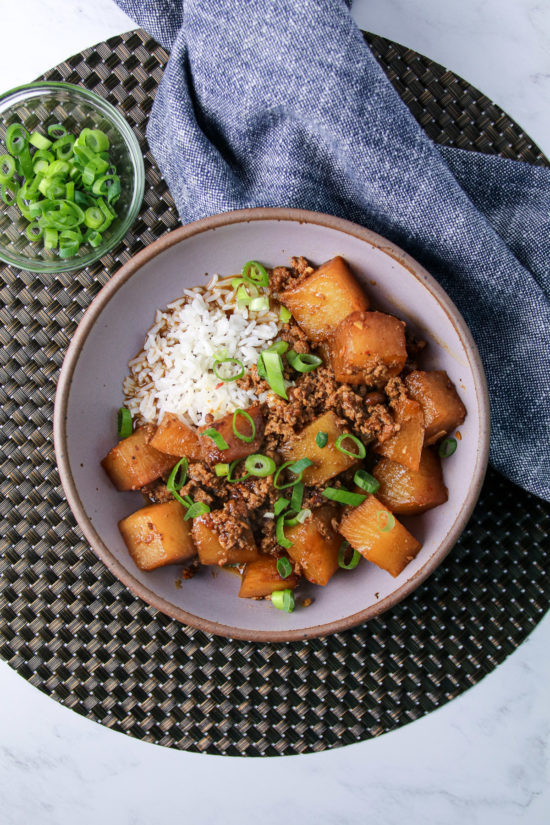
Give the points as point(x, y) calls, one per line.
point(482, 759)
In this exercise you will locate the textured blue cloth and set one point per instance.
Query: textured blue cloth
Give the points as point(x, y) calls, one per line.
point(281, 103)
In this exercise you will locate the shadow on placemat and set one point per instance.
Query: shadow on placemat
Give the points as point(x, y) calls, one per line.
point(75, 632)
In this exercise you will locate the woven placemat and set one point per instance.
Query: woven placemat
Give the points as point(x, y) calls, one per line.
point(77, 634)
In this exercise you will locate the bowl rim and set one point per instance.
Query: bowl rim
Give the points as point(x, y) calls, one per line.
point(138, 188)
point(124, 274)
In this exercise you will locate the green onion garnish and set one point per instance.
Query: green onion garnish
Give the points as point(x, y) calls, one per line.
point(280, 533)
point(278, 346)
point(297, 496)
point(39, 141)
point(232, 466)
point(198, 508)
point(385, 521)
point(280, 505)
point(366, 482)
point(274, 372)
point(7, 168)
point(216, 437)
point(343, 496)
point(296, 467)
point(361, 449)
point(284, 568)
point(256, 272)
point(260, 304)
point(447, 447)
point(220, 361)
point(259, 465)
point(299, 518)
point(57, 130)
point(221, 470)
point(178, 476)
point(303, 362)
point(285, 315)
point(247, 417)
point(321, 439)
point(342, 555)
point(283, 600)
point(59, 178)
point(124, 423)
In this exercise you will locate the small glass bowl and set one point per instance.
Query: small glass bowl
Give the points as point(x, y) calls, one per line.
point(37, 106)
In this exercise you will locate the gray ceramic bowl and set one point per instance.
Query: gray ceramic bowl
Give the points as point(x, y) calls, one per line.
point(112, 331)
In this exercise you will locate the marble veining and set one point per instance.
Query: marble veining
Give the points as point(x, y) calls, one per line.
point(481, 759)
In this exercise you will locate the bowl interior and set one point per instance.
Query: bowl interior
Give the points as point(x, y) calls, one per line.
point(39, 106)
point(113, 332)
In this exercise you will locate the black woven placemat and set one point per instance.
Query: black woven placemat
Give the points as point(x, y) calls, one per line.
point(73, 631)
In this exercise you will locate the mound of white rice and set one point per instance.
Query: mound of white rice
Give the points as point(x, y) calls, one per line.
point(173, 373)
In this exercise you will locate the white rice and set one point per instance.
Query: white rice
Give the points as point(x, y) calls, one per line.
point(173, 373)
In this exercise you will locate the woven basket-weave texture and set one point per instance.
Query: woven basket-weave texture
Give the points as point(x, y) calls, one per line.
point(73, 631)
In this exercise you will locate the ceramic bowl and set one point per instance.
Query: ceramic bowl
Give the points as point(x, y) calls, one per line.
point(112, 331)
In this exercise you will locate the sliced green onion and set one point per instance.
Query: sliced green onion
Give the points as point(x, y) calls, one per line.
point(93, 238)
point(278, 346)
point(343, 496)
point(299, 466)
point(198, 508)
point(285, 314)
point(260, 304)
point(96, 140)
point(124, 422)
point(69, 242)
point(283, 600)
point(69, 191)
point(259, 465)
point(280, 505)
point(178, 476)
point(7, 168)
point(366, 482)
point(321, 439)
point(299, 518)
point(303, 362)
point(447, 447)
point(232, 466)
point(34, 231)
point(274, 373)
point(284, 568)
point(291, 465)
point(216, 437)
point(9, 192)
point(385, 521)
point(280, 533)
point(256, 273)
point(221, 361)
point(297, 496)
point(361, 449)
point(101, 185)
point(16, 139)
point(50, 238)
point(342, 555)
point(221, 470)
point(57, 130)
point(39, 141)
point(93, 217)
point(64, 147)
point(247, 438)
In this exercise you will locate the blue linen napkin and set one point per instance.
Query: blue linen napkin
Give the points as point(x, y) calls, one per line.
point(281, 103)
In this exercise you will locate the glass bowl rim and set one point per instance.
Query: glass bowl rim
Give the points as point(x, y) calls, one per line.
point(19, 94)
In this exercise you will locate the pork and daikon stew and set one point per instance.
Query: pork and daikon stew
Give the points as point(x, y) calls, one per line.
point(279, 425)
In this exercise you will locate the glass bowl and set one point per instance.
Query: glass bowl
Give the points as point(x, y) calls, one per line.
point(37, 106)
